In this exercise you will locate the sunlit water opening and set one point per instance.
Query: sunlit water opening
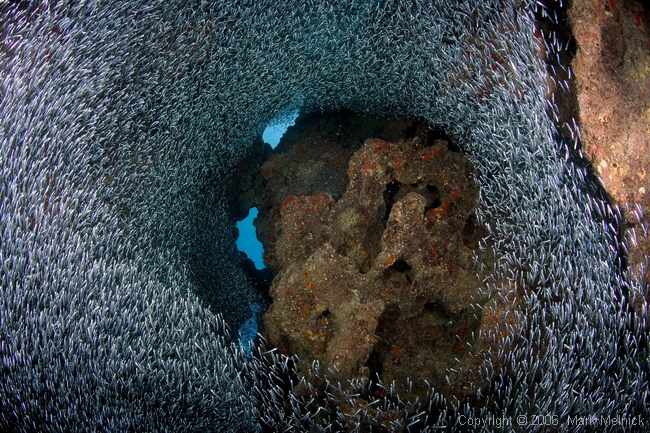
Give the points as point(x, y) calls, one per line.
point(275, 130)
point(248, 242)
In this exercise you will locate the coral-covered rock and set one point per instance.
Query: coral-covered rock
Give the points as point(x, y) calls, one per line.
point(382, 281)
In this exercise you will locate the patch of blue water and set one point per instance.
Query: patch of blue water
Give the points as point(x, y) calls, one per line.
point(248, 242)
point(276, 129)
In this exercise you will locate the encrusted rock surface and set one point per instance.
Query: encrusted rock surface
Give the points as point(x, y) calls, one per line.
point(612, 85)
point(382, 280)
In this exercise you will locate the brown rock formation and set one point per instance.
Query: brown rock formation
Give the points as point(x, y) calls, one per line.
point(382, 281)
point(612, 81)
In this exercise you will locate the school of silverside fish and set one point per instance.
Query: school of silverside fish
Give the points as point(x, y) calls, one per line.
point(122, 121)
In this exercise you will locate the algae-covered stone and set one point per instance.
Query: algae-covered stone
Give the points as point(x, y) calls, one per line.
point(381, 282)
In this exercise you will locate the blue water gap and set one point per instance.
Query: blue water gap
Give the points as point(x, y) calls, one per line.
point(276, 129)
point(248, 242)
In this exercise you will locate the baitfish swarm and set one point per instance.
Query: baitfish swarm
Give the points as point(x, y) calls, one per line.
point(121, 123)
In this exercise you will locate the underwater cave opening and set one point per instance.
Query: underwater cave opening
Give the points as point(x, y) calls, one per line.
point(276, 129)
point(247, 241)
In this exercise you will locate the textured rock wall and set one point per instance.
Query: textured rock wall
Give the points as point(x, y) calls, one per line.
point(612, 78)
point(382, 282)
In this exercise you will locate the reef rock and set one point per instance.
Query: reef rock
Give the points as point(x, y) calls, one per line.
point(382, 281)
point(612, 82)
